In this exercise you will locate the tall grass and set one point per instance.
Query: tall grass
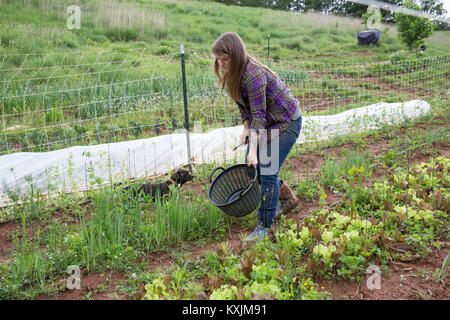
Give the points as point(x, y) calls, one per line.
point(28, 265)
point(108, 234)
point(29, 262)
point(111, 14)
point(116, 222)
point(177, 219)
point(338, 166)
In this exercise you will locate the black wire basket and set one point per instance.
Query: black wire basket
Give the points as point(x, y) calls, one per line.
point(235, 190)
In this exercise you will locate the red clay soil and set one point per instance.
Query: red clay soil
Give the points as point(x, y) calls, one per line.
point(5, 242)
point(90, 287)
point(404, 281)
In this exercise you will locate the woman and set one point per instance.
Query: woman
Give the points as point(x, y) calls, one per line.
point(272, 122)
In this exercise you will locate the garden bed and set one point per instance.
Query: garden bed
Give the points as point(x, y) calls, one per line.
point(304, 171)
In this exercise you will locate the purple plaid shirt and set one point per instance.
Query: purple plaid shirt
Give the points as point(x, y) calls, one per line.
point(265, 100)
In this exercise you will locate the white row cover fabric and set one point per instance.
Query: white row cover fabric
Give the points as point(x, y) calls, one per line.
point(84, 167)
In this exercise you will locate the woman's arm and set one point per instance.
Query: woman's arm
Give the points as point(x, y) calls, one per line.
point(245, 132)
point(252, 159)
point(246, 124)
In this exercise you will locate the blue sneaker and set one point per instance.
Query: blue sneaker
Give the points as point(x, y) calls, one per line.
point(258, 234)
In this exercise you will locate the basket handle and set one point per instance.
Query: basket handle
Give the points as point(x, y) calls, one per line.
point(210, 176)
point(244, 191)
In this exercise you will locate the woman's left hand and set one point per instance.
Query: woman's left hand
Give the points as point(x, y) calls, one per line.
point(252, 159)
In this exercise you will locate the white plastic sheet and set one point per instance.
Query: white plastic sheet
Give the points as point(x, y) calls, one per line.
point(84, 167)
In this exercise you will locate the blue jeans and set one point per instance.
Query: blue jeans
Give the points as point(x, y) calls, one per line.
point(270, 183)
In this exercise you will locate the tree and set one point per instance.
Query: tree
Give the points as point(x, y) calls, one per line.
point(337, 7)
point(318, 6)
point(435, 7)
point(412, 29)
point(388, 16)
point(348, 8)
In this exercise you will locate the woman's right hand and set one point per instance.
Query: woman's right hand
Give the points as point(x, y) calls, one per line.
point(244, 136)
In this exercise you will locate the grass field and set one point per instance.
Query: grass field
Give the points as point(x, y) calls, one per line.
point(377, 198)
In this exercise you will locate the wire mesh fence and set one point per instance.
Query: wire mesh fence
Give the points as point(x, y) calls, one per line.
point(58, 100)
point(52, 101)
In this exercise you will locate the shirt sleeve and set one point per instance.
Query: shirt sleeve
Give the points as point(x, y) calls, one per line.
point(244, 114)
point(256, 83)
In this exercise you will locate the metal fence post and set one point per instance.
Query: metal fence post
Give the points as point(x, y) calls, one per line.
point(186, 115)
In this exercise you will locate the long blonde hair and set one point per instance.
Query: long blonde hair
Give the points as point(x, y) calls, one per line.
point(231, 44)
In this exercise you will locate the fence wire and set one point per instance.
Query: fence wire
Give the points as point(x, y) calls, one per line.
point(51, 101)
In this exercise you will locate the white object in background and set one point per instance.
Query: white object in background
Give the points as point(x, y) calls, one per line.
point(84, 167)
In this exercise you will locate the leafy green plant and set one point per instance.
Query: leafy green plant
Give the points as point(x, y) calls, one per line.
point(412, 29)
point(53, 115)
point(442, 273)
point(260, 272)
point(307, 189)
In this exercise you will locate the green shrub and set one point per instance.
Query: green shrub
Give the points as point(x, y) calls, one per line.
point(293, 44)
point(100, 38)
point(318, 31)
point(254, 23)
point(197, 37)
point(170, 5)
point(53, 115)
point(119, 34)
point(67, 43)
point(307, 39)
point(162, 51)
point(411, 29)
point(6, 40)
